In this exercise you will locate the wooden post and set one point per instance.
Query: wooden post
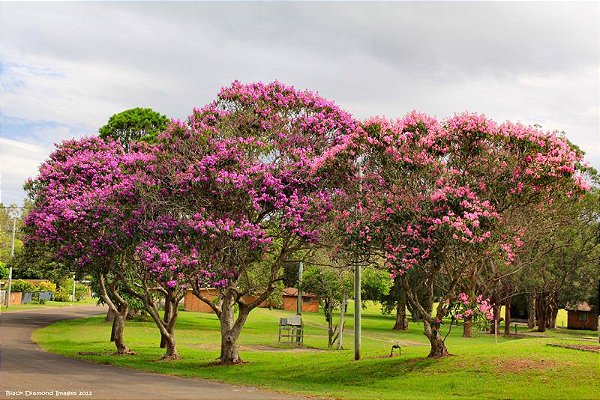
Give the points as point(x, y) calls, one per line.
point(342, 312)
point(495, 331)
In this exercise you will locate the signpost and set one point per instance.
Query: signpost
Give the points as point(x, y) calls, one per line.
point(299, 304)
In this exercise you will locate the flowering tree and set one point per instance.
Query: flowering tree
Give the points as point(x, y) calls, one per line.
point(242, 188)
point(435, 197)
point(88, 209)
point(155, 273)
point(74, 214)
point(521, 171)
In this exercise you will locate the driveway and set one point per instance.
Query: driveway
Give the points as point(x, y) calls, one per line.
point(26, 371)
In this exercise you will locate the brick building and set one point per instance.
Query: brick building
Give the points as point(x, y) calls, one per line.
point(310, 302)
point(581, 316)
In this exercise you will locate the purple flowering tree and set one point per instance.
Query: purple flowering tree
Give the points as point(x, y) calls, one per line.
point(242, 188)
point(89, 211)
point(78, 214)
point(154, 274)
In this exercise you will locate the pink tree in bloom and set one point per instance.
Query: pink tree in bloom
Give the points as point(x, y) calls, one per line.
point(520, 170)
point(432, 197)
point(89, 210)
point(76, 218)
point(410, 206)
point(155, 272)
point(243, 187)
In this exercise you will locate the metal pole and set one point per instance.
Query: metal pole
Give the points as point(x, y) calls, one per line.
point(12, 254)
point(299, 303)
point(357, 312)
point(73, 287)
point(357, 290)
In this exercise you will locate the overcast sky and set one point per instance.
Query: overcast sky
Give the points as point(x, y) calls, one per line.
point(67, 67)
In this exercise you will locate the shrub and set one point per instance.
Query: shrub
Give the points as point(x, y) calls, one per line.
point(37, 300)
point(46, 286)
point(62, 295)
point(3, 271)
point(66, 291)
point(21, 286)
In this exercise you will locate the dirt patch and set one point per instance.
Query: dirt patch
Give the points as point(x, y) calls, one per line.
point(295, 349)
point(519, 365)
point(582, 347)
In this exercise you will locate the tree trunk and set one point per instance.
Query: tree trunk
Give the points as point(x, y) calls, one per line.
point(166, 318)
point(531, 321)
point(118, 311)
point(553, 313)
point(507, 316)
point(541, 312)
point(118, 330)
point(414, 314)
point(165, 327)
point(171, 353)
point(468, 327)
point(169, 320)
point(437, 346)
point(328, 310)
point(401, 320)
point(436, 341)
point(230, 329)
point(110, 316)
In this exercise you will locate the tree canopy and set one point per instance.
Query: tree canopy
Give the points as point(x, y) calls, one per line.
point(267, 174)
point(134, 125)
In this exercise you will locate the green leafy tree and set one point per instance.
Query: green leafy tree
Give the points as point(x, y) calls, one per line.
point(375, 284)
point(565, 258)
point(3, 271)
point(134, 125)
point(6, 226)
point(332, 285)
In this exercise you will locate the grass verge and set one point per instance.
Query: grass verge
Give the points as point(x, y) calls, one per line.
point(517, 367)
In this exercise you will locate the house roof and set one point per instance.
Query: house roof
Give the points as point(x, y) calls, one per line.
point(290, 291)
point(583, 306)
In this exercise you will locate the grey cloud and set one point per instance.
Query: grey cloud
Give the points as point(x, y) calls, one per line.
point(534, 62)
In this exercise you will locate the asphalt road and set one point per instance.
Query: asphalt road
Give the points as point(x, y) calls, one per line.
point(26, 371)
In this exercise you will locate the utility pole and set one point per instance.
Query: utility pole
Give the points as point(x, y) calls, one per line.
point(73, 286)
point(12, 254)
point(299, 303)
point(357, 312)
point(357, 292)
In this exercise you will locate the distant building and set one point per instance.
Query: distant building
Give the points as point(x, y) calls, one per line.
point(310, 302)
point(193, 303)
point(581, 316)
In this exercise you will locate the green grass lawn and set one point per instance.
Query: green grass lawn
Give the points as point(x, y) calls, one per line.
point(518, 367)
point(48, 304)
